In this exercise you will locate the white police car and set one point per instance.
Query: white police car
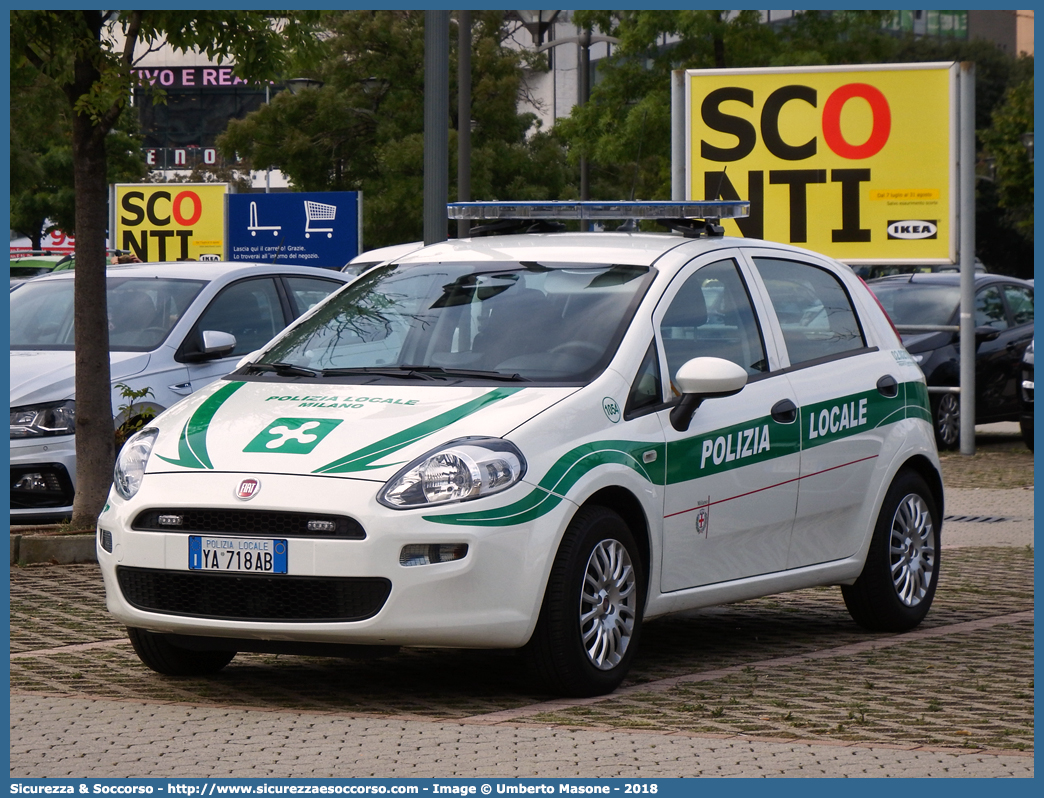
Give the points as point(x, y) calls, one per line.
point(536, 441)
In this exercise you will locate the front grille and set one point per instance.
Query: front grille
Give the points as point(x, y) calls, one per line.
point(268, 523)
point(250, 597)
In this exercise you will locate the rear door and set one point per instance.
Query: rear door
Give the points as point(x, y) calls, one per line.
point(1008, 309)
point(847, 394)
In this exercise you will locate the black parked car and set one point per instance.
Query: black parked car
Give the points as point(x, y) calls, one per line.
point(1004, 328)
point(1026, 419)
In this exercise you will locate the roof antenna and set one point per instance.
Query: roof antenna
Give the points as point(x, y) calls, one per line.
point(721, 179)
point(279, 249)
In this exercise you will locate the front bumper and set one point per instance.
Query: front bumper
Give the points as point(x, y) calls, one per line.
point(488, 599)
point(43, 479)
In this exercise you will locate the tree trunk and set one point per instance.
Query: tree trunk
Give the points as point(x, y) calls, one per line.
point(94, 418)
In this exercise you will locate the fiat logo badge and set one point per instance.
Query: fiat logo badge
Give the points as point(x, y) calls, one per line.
point(248, 488)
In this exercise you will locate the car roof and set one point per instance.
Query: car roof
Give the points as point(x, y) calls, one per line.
point(635, 249)
point(204, 270)
point(36, 259)
point(381, 254)
point(944, 278)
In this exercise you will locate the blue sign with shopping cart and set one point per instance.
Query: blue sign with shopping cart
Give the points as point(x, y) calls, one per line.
point(301, 229)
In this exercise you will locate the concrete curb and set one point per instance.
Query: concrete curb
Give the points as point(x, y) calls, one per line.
point(28, 548)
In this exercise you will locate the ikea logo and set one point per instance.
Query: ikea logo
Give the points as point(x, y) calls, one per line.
point(913, 228)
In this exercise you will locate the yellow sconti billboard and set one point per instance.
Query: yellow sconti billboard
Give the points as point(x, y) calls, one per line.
point(170, 221)
point(858, 163)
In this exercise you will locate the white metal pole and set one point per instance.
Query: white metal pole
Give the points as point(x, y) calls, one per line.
point(967, 255)
point(678, 135)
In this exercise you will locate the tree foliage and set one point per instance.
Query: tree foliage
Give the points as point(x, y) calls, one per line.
point(363, 129)
point(1013, 168)
point(42, 192)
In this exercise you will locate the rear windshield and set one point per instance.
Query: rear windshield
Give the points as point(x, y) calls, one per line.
point(548, 322)
point(918, 303)
point(142, 312)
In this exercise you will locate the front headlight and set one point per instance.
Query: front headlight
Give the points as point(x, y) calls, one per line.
point(131, 462)
point(38, 421)
point(469, 468)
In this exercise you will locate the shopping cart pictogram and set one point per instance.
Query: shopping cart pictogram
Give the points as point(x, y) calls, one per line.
point(318, 212)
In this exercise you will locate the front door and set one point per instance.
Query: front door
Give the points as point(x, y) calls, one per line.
point(732, 475)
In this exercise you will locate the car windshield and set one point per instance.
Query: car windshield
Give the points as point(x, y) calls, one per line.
point(551, 322)
point(142, 312)
point(918, 303)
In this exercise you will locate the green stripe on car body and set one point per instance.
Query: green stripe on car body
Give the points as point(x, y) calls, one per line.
point(826, 422)
point(192, 443)
point(715, 452)
point(560, 479)
point(363, 459)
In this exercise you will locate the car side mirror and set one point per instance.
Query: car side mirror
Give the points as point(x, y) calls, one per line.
point(217, 343)
point(210, 345)
point(704, 378)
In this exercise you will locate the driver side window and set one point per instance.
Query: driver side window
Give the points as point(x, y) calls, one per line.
point(249, 310)
point(712, 316)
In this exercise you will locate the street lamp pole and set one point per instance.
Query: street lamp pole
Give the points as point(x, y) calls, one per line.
point(436, 125)
point(463, 116)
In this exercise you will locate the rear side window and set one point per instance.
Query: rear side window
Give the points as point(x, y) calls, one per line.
point(1020, 301)
point(813, 309)
point(307, 292)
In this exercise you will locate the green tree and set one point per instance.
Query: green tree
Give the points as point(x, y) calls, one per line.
point(1013, 168)
point(363, 129)
point(42, 193)
point(79, 53)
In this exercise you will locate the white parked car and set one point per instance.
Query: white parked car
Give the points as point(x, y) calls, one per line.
point(536, 442)
point(375, 257)
point(171, 329)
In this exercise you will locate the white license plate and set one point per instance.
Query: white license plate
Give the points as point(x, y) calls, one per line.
point(237, 555)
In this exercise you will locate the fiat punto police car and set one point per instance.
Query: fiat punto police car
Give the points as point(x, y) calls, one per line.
point(536, 442)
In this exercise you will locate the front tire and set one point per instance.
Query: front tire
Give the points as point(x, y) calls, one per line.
point(946, 420)
point(158, 653)
point(591, 617)
point(895, 590)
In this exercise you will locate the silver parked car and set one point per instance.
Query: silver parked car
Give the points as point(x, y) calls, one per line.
point(173, 328)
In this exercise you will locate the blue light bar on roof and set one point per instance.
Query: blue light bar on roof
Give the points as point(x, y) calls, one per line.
point(716, 209)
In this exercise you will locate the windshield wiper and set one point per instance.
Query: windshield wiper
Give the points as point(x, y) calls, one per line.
point(471, 373)
point(400, 372)
point(425, 373)
point(282, 369)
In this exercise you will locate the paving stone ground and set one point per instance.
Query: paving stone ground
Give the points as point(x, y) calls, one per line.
point(780, 686)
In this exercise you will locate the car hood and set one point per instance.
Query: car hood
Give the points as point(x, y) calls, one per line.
point(360, 431)
point(49, 376)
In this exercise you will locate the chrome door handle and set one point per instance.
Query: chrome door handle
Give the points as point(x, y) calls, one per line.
point(181, 389)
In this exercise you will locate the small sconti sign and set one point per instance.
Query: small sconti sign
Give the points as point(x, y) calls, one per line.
point(171, 221)
point(858, 163)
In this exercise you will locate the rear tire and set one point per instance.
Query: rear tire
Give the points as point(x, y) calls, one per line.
point(946, 420)
point(158, 653)
point(895, 590)
point(591, 617)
